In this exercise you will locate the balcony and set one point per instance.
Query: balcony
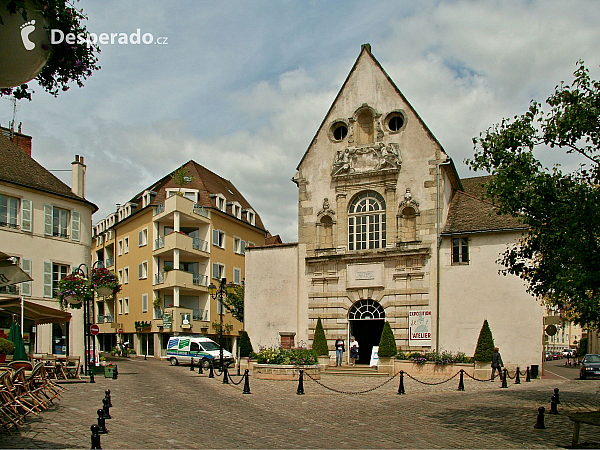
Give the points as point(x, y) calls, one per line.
point(189, 246)
point(183, 205)
point(104, 318)
point(179, 319)
point(182, 279)
point(110, 262)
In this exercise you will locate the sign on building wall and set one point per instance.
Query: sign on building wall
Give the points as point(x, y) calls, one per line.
point(167, 321)
point(419, 327)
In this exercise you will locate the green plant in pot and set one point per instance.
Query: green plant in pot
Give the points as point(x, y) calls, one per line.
point(6, 348)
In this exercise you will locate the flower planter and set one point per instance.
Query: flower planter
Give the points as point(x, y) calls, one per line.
point(483, 370)
point(385, 365)
point(324, 361)
point(108, 371)
point(103, 291)
point(73, 300)
point(431, 369)
point(284, 371)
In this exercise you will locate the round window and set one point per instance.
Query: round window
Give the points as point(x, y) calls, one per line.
point(339, 131)
point(395, 121)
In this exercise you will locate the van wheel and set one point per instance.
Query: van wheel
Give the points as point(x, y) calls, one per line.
point(174, 361)
point(205, 363)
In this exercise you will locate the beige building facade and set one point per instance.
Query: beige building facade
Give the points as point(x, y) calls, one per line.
point(46, 227)
point(387, 231)
point(167, 244)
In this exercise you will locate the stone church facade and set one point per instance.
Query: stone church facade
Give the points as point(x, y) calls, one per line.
point(387, 231)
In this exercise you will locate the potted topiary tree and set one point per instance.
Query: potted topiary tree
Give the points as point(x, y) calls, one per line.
point(387, 349)
point(484, 352)
point(320, 345)
point(6, 348)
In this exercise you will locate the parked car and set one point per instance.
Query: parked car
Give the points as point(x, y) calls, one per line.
point(556, 355)
point(549, 356)
point(590, 366)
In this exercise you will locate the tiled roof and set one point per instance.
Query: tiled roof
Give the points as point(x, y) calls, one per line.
point(208, 183)
point(468, 213)
point(16, 167)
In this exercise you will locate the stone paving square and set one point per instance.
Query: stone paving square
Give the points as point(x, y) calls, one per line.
point(159, 406)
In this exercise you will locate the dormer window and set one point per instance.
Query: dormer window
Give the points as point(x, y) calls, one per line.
point(236, 210)
point(221, 202)
point(190, 194)
point(147, 198)
point(250, 217)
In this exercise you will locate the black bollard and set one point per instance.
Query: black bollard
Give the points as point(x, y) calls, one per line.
point(92, 379)
point(211, 374)
point(504, 378)
point(517, 379)
point(461, 383)
point(95, 438)
point(246, 382)
point(539, 424)
point(300, 390)
point(527, 377)
point(107, 395)
point(238, 366)
point(554, 401)
point(192, 365)
point(106, 408)
point(200, 371)
point(115, 373)
point(101, 422)
point(225, 375)
point(401, 387)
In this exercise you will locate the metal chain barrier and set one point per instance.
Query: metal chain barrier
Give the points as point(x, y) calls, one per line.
point(431, 384)
point(239, 382)
point(476, 379)
point(352, 392)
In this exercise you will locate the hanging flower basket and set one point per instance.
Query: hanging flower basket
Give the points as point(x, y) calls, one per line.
point(72, 289)
point(104, 282)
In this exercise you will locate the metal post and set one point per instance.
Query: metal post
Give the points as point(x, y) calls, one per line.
point(95, 437)
point(106, 408)
point(211, 373)
point(225, 375)
point(200, 371)
point(107, 395)
point(554, 401)
point(221, 306)
point(401, 387)
point(101, 422)
point(192, 365)
point(461, 383)
point(527, 377)
point(504, 379)
point(517, 379)
point(539, 424)
point(246, 382)
point(300, 390)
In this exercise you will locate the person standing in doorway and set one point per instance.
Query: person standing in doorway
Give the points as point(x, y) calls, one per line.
point(353, 350)
point(339, 351)
point(497, 363)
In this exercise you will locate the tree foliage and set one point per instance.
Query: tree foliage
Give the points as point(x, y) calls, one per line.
point(320, 341)
point(245, 345)
point(387, 343)
point(559, 256)
point(181, 177)
point(234, 303)
point(485, 344)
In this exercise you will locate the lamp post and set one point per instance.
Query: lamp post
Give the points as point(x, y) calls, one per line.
point(220, 293)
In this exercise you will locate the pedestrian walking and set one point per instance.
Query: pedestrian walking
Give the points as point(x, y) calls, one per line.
point(497, 363)
point(339, 351)
point(126, 349)
point(353, 350)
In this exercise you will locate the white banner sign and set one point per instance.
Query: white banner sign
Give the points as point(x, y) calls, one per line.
point(374, 356)
point(419, 327)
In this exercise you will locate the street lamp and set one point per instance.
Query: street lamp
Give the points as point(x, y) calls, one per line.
point(219, 293)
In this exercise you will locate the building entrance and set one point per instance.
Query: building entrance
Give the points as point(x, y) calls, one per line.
point(366, 319)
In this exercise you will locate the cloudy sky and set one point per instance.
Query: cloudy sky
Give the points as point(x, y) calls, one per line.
point(242, 86)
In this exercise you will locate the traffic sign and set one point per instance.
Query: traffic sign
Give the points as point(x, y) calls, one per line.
point(94, 329)
point(120, 331)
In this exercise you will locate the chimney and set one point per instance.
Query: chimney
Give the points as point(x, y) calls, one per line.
point(23, 141)
point(78, 177)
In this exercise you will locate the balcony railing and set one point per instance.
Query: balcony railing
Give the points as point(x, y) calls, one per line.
point(159, 208)
point(9, 225)
point(201, 245)
point(9, 290)
point(199, 209)
point(104, 318)
point(200, 314)
point(110, 262)
point(200, 280)
point(159, 242)
point(159, 278)
point(158, 313)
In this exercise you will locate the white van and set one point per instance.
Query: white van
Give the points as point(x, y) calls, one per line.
point(181, 349)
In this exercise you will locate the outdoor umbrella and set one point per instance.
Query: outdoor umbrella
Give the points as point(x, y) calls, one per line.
point(15, 336)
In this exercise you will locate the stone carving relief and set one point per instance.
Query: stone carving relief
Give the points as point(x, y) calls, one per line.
point(375, 157)
point(326, 210)
point(408, 201)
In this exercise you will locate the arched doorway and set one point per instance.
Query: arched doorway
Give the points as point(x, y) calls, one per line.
point(365, 322)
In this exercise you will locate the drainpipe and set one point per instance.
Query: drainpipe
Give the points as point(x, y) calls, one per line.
point(438, 244)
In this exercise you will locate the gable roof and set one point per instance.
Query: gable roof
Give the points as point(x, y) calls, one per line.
point(366, 50)
point(468, 213)
point(20, 169)
point(207, 183)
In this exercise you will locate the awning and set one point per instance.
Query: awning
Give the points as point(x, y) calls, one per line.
point(11, 274)
point(33, 311)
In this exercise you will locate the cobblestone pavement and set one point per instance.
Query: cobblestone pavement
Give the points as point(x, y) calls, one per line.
point(159, 406)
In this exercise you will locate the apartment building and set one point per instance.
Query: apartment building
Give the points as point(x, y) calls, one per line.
point(45, 226)
point(167, 244)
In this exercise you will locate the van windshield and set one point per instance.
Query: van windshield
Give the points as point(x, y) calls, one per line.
point(208, 346)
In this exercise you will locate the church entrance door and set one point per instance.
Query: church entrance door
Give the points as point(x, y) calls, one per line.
point(365, 319)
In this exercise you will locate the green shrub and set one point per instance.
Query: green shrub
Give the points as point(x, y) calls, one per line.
point(320, 341)
point(387, 343)
point(445, 357)
point(485, 344)
point(245, 345)
point(6, 347)
point(294, 356)
point(582, 349)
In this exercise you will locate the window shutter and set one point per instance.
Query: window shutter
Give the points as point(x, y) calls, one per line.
point(237, 275)
point(215, 270)
point(26, 286)
point(75, 223)
point(140, 237)
point(47, 279)
point(243, 250)
point(144, 302)
point(26, 215)
point(48, 209)
point(140, 271)
point(216, 237)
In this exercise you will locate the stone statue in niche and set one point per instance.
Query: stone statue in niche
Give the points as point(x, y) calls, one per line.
point(326, 209)
point(379, 130)
point(370, 158)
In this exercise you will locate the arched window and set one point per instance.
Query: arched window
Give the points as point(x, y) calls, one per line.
point(366, 222)
point(366, 309)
